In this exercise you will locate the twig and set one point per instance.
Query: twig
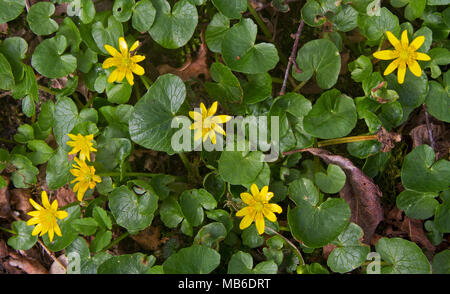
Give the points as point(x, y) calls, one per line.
point(292, 57)
point(50, 253)
point(429, 129)
point(260, 22)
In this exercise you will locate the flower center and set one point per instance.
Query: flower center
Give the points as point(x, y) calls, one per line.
point(259, 206)
point(48, 215)
point(404, 54)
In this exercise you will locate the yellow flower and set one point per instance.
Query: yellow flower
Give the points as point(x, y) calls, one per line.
point(206, 124)
point(82, 144)
point(258, 208)
point(124, 61)
point(85, 176)
point(404, 54)
point(45, 218)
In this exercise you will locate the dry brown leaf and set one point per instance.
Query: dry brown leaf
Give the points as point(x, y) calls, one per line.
point(3, 249)
point(414, 228)
point(20, 200)
point(149, 239)
point(57, 268)
point(441, 133)
point(28, 265)
point(65, 196)
point(191, 68)
point(5, 209)
point(360, 192)
point(3, 28)
point(326, 250)
point(387, 139)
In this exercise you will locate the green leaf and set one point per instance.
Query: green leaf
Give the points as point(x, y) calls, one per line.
point(350, 253)
point(173, 28)
point(210, 235)
point(438, 101)
point(41, 151)
point(123, 9)
point(319, 57)
point(258, 88)
point(38, 18)
point(49, 58)
point(442, 217)
point(102, 239)
point(227, 87)
point(374, 27)
point(242, 263)
point(421, 173)
point(215, 32)
point(107, 33)
point(58, 169)
point(346, 19)
point(416, 204)
point(251, 238)
point(361, 68)
point(85, 226)
point(70, 31)
point(170, 213)
point(101, 217)
point(333, 181)
point(150, 122)
point(439, 56)
point(23, 240)
point(6, 75)
point(441, 262)
point(317, 226)
point(291, 110)
point(68, 233)
point(231, 8)
point(65, 119)
point(332, 116)
point(197, 259)
point(403, 257)
point(412, 92)
point(143, 16)
point(136, 263)
point(25, 174)
point(15, 49)
point(88, 264)
point(242, 55)
point(130, 211)
point(303, 189)
point(250, 165)
point(25, 133)
point(10, 9)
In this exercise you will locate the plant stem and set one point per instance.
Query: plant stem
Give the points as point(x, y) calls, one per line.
point(8, 230)
point(46, 90)
point(131, 174)
point(292, 57)
point(258, 19)
point(120, 238)
point(296, 250)
point(50, 253)
point(7, 141)
point(299, 86)
point(429, 129)
point(146, 81)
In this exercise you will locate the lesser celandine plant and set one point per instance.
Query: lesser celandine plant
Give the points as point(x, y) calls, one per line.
point(354, 96)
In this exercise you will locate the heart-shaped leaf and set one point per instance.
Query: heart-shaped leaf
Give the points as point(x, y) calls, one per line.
point(319, 57)
point(374, 27)
point(318, 226)
point(150, 122)
point(88, 264)
point(107, 32)
point(250, 165)
point(231, 8)
point(6, 75)
point(402, 256)
point(49, 58)
point(215, 32)
point(136, 263)
point(22, 240)
point(123, 9)
point(130, 211)
point(10, 9)
point(421, 173)
point(143, 15)
point(331, 182)
point(303, 189)
point(416, 204)
point(226, 87)
point(242, 263)
point(174, 27)
point(350, 253)
point(197, 259)
point(332, 116)
point(38, 18)
point(441, 262)
point(242, 55)
point(438, 101)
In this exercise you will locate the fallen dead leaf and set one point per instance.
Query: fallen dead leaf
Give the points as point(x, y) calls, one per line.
point(3, 249)
point(441, 133)
point(5, 209)
point(65, 196)
point(3, 28)
point(20, 200)
point(56, 267)
point(191, 68)
point(360, 192)
point(326, 250)
point(28, 265)
point(149, 239)
point(387, 139)
point(414, 228)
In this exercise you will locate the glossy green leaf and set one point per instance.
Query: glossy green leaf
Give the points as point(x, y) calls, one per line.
point(22, 240)
point(215, 32)
point(10, 9)
point(197, 259)
point(250, 165)
point(38, 18)
point(136, 263)
point(441, 262)
point(416, 204)
point(331, 182)
point(231, 8)
point(143, 15)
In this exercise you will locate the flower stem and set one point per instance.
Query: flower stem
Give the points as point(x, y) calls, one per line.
point(296, 250)
point(346, 140)
point(131, 174)
point(8, 230)
point(7, 141)
point(258, 19)
point(146, 81)
point(120, 238)
point(46, 90)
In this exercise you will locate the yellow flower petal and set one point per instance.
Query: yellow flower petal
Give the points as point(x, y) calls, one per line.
point(255, 191)
point(57, 230)
point(259, 220)
point(197, 135)
point(134, 46)
point(414, 67)
point(120, 74)
point(51, 234)
point(417, 43)
point(422, 56)
point(213, 109)
point(393, 40)
point(247, 198)
point(35, 205)
point(111, 61)
point(36, 230)
point(113, 76)
point(197, 116)
point(112, 51)
point(248, 210)
point(391, 67)
point(203, 110)
point(274, 207)
point(386, 54)
point(137, 58)
point(62, 214)
point(45, 201)
point(404, 39)
point(137, 69)
point(401, 73)
point(123, 45)
point(220, 119)
point(269, 214)
point(33, 221)
point(247, 220)
point(219, 129)
point(130, 78)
